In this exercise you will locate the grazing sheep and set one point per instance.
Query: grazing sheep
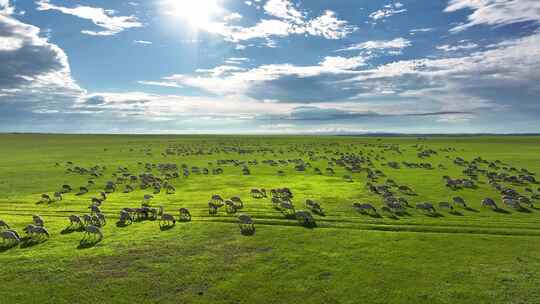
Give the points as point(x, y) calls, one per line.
point(82, 191)
point(446, 205)
point(167, 219)
point(45, 198)
point(96, 201)
point(10, 236)
point(459, 201)
point(38, 220)
point(38, 231)
point(488, 202)
point(212, 209)
point(93, 231)
point(238, 204)
point(94, 209)
point(75, 220)
point(125, 217)
point(185, 215)
point(87, 219)
point(426, 207)
point(364, 208)
point(314, 206)
point(98, 219)
point(230, 207)
point(304, 218)
point(246, 223)
point(58, 196)
point(3, 225)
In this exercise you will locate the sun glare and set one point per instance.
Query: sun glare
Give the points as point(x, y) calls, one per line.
point(198, 13)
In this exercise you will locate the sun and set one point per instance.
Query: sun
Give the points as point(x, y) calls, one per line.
point(198, 13)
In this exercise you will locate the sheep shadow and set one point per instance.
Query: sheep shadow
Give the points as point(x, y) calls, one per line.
point(501, 210)
point(6, 247)
point(166, 227)
point(247, 231)
point(456, 213)
point(434, 214)
point(393, 217)
point(71, 229)
point(27, 242)
point(85, 243)
point(310, 225)
point(471, 209)
point(122, 224)
point(523, 210)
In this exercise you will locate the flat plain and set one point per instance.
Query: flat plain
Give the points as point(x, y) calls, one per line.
point(473, 254)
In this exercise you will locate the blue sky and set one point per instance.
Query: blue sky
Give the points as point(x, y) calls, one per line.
point(270, 66)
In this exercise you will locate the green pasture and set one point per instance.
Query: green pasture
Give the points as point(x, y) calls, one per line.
point(475, 256)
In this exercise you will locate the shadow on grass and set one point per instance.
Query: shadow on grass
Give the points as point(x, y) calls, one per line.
point(71, 229)
point(85, 244)
point(6, 247)
point(471, 209)
point(247, 231)
point(122, 224)
point(27, 242)
point(166, 227)
point(310, 225)
point(434, 214)
point(523, 210)
point(503, 211)
point(456, 213)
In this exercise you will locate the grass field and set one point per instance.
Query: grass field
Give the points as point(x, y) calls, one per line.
point(476, 255)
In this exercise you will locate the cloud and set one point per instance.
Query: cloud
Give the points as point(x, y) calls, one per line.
point(453, 48)
point(495, 12)
point(387, 11)
point(286, 20)
point(103, 18)
point(397, 43)
point(223, 80)
point(142, 42)
point(35, 75)
point(283, 9)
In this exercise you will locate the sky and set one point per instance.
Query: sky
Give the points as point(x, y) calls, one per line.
point(270, 66)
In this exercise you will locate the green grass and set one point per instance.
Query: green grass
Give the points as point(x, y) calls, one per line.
point(479, 257)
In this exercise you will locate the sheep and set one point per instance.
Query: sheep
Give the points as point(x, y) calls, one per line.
point(125, 217)
point(488, 202)
point(10, 236)
point(362, 208)
point(167, 219)
point(304, 218)
point(4, 225)
point(426, 207)
point(38, 231)
point(94, 231)
point(38, 220)
point(184, 214)
point(246, 223)
point(74, 219)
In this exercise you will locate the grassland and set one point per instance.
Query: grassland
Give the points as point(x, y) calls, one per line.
point(480, 256)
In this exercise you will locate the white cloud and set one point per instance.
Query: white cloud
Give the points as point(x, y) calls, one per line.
point(329, 27)
point(283, 9)
point(232, 80)
point(232, 17)
point(142, 42)
point(100, 17)
point(5, 8)
point(453, 48)
point(495, 12)
point(398, 43)
point(388, 11)
point(35, 75)
point(287, 20)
